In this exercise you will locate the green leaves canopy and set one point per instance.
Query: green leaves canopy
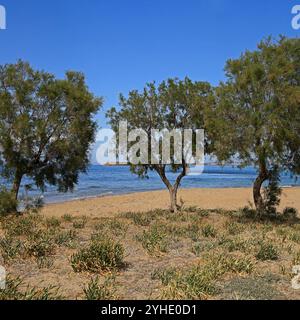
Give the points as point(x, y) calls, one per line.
point(256, 114)
point(46, 126)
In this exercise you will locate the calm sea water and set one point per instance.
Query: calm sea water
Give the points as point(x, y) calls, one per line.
point(101, 181)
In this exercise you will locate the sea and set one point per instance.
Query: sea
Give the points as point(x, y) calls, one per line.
point(104, 180)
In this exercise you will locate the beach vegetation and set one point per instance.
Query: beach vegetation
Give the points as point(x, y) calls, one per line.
point(254, 119)
point(154, 240)
point(267, 251)
point(100, 256)
point(46, 127)
point(167, 106)
point(8, 203)
point(94, 290)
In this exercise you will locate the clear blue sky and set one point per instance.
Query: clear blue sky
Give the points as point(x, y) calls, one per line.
point(122, 44)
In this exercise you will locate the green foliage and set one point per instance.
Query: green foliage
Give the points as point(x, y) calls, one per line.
point(46, 126)
point(53, 222)
point(101, 256)
point(290, 213)
point(209, 231)
point(8, 203)
point(15, 290)
point(272, 193)
point(154, 240)
point(173, 104)
point(67, 218)
point(164, 275)
point(261, 98)
point(65, 238)
point(22, 225)
point(41, 244)
point(267, 251)
point(80, 223)
point(10, 248)
point(96, 291)
point(199, 282)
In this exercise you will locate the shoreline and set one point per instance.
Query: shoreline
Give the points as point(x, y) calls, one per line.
point(111, 194)
point(206, 198)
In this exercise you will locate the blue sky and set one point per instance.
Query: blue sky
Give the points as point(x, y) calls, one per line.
point(122, 44)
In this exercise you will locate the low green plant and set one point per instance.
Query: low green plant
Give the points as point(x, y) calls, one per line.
point(233, 244)
point(290, 213)
point(209, 231)
point(66, 238)
point(8, 203)
point(233, 228)
point(44, 262)
point(10, 248)
point(164, 275)
point(154, 240)
point(15, 290)
point(80, 223)
point(53, 222)
point(67, 217)
point(96, 291)
point(40, 244)
point(267, 251)
point(100, 256)
point(23, 225)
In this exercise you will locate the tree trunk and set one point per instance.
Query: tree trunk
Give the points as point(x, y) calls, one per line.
point(262, 177)
point(16, 185)
point(172, 189)
point(173, 200)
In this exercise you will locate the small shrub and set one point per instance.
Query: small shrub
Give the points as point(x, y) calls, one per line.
point(294, 236)
point(232, 244)
point(80, 224)
point(23, 225)
point(67, 218)
point(209, 231)
point(272, 193)
point(201, 247)
point(10, 248)
point(219, 264)
point(143, 219)
point(193, 284)
point(8, 203)
point(40, 245)
point(44, 262)
point(66, 238)
point(248, 213)
point(101, 256)
point(233, 228)
point(267, 251)
point(53, 222)
point(290, 213)
point(154, 240)
point(164, 275)
point(114, 226)
point(95, 291)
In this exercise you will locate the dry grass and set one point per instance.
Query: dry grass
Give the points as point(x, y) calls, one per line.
point(194, 254)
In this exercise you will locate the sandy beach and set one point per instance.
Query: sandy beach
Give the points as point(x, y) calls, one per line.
point(141, 202)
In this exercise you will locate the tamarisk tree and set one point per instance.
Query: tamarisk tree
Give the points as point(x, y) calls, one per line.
point(256, 114)
point(168, 107)
point(46, 126)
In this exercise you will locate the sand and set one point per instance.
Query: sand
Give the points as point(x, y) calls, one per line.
point(232, 198)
